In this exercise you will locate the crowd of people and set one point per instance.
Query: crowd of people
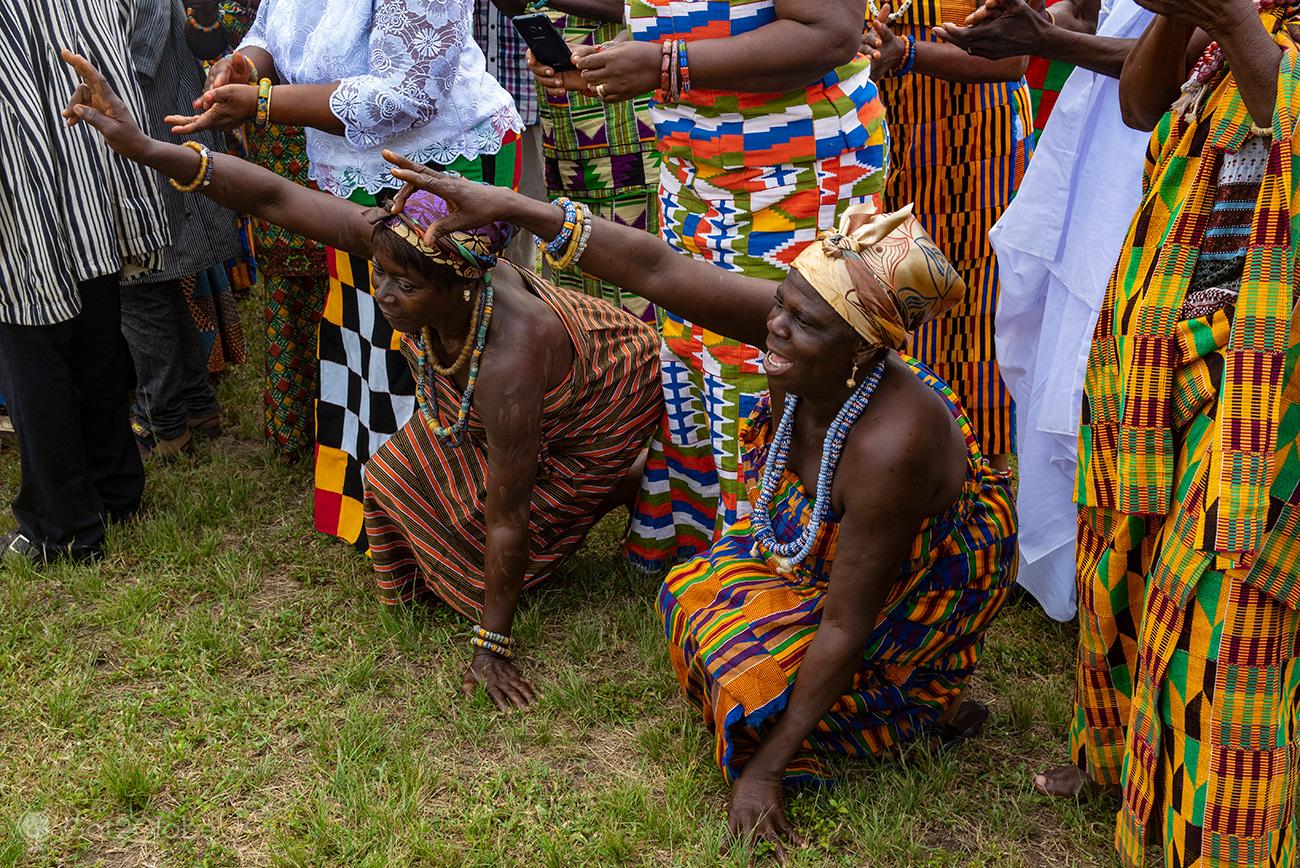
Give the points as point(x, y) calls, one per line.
point(865, 313)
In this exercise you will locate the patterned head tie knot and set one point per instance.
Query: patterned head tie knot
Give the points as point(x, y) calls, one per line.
point(882, 273)
point(471, 254)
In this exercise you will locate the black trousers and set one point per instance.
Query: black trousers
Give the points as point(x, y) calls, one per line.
point(68, 389)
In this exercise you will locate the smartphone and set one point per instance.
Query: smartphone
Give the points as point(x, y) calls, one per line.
point(547, 44)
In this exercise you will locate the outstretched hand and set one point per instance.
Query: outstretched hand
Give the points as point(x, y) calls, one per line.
point(999, 29)
point(882, 45)
point(95, 102)
point(227, 108)
point(471, 205)
point(234, 68)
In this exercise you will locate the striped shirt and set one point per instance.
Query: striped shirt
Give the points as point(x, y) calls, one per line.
point(70, 209)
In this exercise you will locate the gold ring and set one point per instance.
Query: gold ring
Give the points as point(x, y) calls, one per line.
point(600, 90)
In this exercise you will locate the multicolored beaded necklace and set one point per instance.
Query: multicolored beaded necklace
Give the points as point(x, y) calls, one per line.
point(895, 16)
point(482, 318)
point(790, 554)
point(1210, 64)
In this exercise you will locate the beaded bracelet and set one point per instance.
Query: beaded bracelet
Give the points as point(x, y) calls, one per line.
point(202, 176)
point(909, 60)
point(483, 633)
point(665, 73)
point(561, 241)
point(252, 70)
point(675, 71)
point(493, 647)
point(684, 67)
point(201, 28)
point(264, 88)
point(572, 250)
point(586, 236)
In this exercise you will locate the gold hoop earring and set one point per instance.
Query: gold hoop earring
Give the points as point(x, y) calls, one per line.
point(852, 381)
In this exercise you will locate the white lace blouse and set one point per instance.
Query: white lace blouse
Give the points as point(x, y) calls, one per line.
point(411, 78)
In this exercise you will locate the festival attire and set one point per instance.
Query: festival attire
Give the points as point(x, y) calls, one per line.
point(1057, 244)
point(72, 213)
point(426, 494)
point(960, 151)
point(740, 619)
point(748, 181)
point(602, 154)
point(294, 281)
point(1189, 520)
point(1045, 78)
point(411, 79)
point(172, 382)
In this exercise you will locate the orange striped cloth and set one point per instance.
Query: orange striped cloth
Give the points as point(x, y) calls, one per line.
point(425, 499)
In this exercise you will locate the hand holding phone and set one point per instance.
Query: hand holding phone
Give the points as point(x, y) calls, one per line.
point(547, 45)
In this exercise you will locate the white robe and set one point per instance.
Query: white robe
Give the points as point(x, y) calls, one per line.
point(1056, 245)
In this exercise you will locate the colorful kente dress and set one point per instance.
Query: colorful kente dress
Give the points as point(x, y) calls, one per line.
point(1189, 522)
point(1045, 78)
point(748, 181)
point(294, 281)
point(367, 392)
point(211, 299)
point(959, 152)
point(602, 155)
point(738, 632)
point(425, 498)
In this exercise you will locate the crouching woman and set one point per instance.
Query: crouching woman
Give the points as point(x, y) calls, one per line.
point(535, 403)
point(847, 613)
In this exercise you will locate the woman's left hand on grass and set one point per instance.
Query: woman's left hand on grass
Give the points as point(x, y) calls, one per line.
point(505, 686)
point(95, 102)
point(757, 814)
point(623, 70)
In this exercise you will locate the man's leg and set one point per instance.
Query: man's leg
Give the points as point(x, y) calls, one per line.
point(58, 506)
point(161, 336)
point(101, 367)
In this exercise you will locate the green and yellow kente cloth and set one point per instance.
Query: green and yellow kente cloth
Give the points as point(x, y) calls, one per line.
point(1189, 521)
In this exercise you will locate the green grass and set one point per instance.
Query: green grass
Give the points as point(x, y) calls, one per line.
point(225, 689)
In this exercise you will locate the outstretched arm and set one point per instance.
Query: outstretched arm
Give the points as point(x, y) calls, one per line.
point(238, 185)
point(719, 300)
point(1007, 28)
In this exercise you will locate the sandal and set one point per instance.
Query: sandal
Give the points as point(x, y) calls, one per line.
point(965, 724)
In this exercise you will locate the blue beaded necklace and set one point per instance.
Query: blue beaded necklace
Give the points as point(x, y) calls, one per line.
point(791, 554)
point(453, 434)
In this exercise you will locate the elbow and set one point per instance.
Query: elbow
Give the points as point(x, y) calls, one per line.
point(1019, 66)
point(840, 48)
point(1137, 117)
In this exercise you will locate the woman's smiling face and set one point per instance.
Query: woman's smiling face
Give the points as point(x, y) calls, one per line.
point(810, 348)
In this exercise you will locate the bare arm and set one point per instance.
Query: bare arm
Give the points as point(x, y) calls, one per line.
point(804, 43)
point(1154, 72)
point(511, 410)
point(238, 185)
point(936, 59)
point(1008, 28)
point(719, 300)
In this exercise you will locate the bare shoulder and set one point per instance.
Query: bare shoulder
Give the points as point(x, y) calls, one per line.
point(907, 447)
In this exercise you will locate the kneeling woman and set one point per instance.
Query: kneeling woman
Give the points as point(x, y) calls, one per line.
point(848, 611)
point(535, 402)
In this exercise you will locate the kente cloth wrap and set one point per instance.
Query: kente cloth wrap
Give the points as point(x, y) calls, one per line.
point(602, 154)
point(738, 631)
point(367, 392)
point(882, 273)
point(960, 150)
point(1189, 490)
point(470, 253)
point(1133, 388)
point(748, 181)
point(426, 500)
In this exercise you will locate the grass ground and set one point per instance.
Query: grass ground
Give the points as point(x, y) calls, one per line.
point(225, 689)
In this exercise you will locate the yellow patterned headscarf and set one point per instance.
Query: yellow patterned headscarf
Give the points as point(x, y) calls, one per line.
point(882, 273)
